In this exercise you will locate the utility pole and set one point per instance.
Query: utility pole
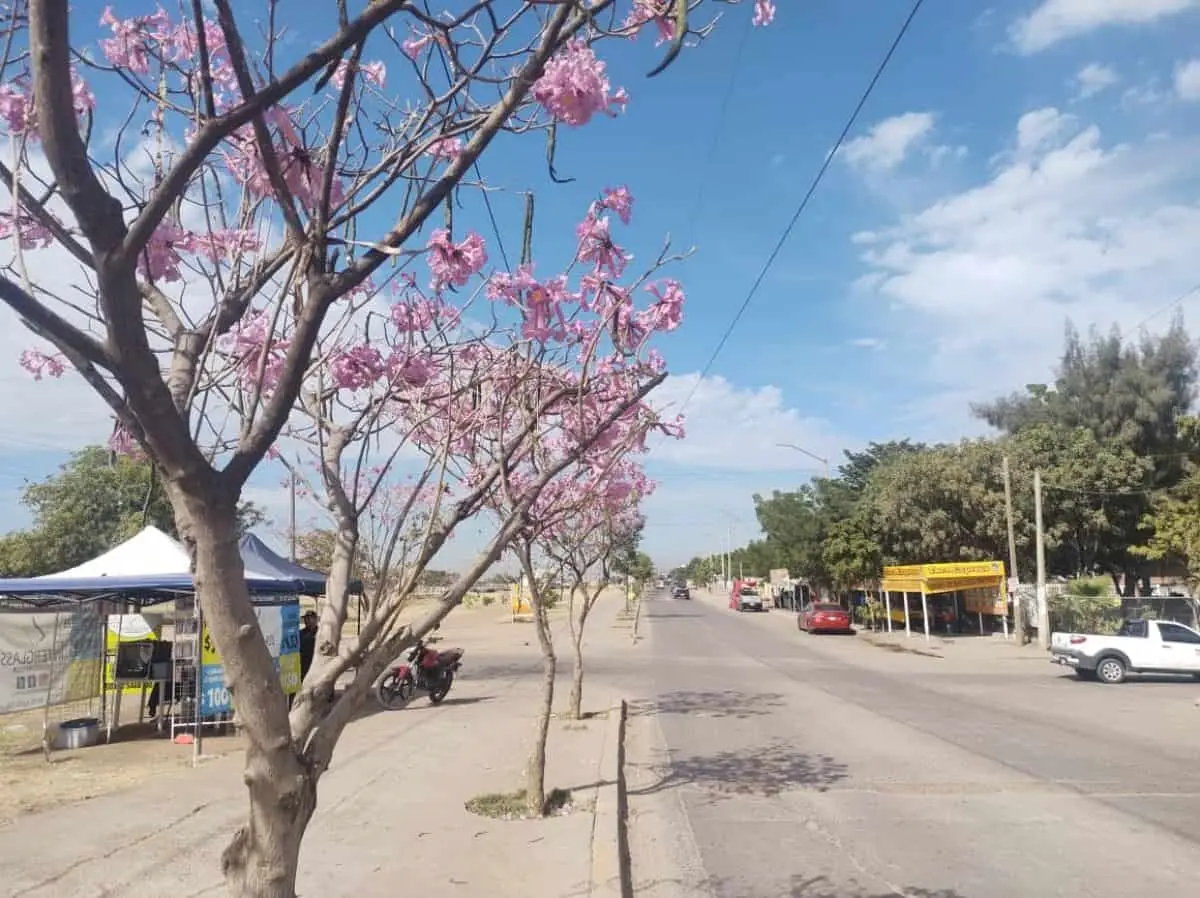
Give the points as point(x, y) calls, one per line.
point(728, 555)
point(1042, 607)
point(824, 461)
point(1018, 624)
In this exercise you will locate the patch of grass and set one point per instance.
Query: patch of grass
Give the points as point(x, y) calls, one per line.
point(511, 805)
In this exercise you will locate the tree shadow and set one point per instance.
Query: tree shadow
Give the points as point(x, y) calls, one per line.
point(798, 886)
point(725, 703)
point(801, 886)
point(764, 771)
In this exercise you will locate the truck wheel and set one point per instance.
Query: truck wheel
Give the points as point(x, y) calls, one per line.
point(1111, 670)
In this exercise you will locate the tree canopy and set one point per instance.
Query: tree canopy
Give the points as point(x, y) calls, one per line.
point(96, 500)
point(1111, 439)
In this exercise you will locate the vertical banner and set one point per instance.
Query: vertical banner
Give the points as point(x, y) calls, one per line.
point(280, 625)
point(38, 666)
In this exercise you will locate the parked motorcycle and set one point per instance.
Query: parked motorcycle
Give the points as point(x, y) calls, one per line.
point(426, 670)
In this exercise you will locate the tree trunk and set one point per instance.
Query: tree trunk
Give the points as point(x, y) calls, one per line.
point(577, 676)
point(262, 858)
point(535, 770)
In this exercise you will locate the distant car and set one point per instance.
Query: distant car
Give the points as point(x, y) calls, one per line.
point(824, 617)
point(747, 598)
point(680, 592)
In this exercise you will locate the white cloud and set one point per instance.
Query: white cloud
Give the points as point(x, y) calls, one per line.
point(1036, 129)
point(1053, 21)
point(889, 142)
point(1094, 78)
point(1187, 80)
point(1067, 226)
point(739, 429)
point(868, 343)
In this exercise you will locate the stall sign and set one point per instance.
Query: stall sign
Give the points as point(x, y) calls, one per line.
point(280, 626)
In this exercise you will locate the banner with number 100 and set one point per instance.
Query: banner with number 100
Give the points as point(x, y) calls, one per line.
point(280, 626)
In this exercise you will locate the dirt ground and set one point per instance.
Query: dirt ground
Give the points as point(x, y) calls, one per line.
point(137, 754)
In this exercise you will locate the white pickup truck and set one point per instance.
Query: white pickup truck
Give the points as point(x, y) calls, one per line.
point(1140, 646)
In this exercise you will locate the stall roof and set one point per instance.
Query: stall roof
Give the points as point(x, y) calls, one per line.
point(259, 556)
point(140, 589)
point(932, 579)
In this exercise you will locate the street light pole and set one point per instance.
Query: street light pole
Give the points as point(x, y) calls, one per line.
point(804, 451)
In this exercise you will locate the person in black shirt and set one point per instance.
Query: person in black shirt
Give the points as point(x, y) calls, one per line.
point(308, 642)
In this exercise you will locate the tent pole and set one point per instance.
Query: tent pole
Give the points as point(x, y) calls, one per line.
point(50, 689)
point(196, 736)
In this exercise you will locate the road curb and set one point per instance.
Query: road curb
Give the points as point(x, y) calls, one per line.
point(611, 874)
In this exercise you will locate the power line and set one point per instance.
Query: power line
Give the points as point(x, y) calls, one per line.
point(1194, 289)
point(718, 130)
point(812, 189)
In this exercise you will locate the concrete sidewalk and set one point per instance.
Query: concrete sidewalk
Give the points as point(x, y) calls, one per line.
point(391, 807)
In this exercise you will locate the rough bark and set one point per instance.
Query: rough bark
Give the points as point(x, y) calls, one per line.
point(577, 675)
point(535, 769)
point(262, 858)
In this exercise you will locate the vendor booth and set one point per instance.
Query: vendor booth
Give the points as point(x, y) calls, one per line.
point(979, 584)
point(125, 625)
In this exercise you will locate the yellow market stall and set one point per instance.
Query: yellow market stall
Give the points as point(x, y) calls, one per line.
point(981, 583)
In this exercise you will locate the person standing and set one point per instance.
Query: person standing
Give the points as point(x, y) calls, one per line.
point(308, 642)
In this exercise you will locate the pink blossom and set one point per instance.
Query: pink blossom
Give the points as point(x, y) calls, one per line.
point(415, 43)
point(226, 243)
point(81, 94)
point(16, 108)
point(410, 370)
point(122, 442)
point(647, 11)
point(574, 86)
point(453, 264)
point(356, 368)
point(620, 201)
point(40, 365)
point(372, 73)
point(160, 259)
point(596, 246)
point(245, 344)
point(129, 47)
point(447, 148)
point(764, 13)
point(30, 232)
point(301, 172)
point(668, 310)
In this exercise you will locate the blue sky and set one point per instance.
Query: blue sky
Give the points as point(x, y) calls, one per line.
point(1017, 166)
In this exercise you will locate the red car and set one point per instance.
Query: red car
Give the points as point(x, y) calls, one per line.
point(824, 618)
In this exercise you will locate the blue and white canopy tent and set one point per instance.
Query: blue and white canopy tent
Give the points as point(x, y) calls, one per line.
point(84, 610)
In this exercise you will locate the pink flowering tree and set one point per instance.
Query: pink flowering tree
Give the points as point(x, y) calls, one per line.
point(582, 546)
point(201, 209)
point(597, 480)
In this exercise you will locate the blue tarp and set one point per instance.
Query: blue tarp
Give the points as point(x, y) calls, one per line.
point(139, 590)
point(260, 557)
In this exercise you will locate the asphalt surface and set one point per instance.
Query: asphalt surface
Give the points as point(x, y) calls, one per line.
point(768, 763)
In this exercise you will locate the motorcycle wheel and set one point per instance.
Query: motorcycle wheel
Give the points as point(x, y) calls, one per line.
point(439, 692)
point(394, 691)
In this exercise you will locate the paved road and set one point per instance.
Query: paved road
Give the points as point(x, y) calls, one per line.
point(822, 767)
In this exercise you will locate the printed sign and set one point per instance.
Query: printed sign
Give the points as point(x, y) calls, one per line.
point(280, 625)
point(49, 657)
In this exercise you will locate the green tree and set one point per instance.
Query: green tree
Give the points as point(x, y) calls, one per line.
point(852, 554)
point(95, 501)
point(1125, 394)
point(945, 503)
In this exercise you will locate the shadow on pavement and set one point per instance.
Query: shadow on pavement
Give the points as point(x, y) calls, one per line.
point(723, 703)
point(764, 771)
point(820, 887)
